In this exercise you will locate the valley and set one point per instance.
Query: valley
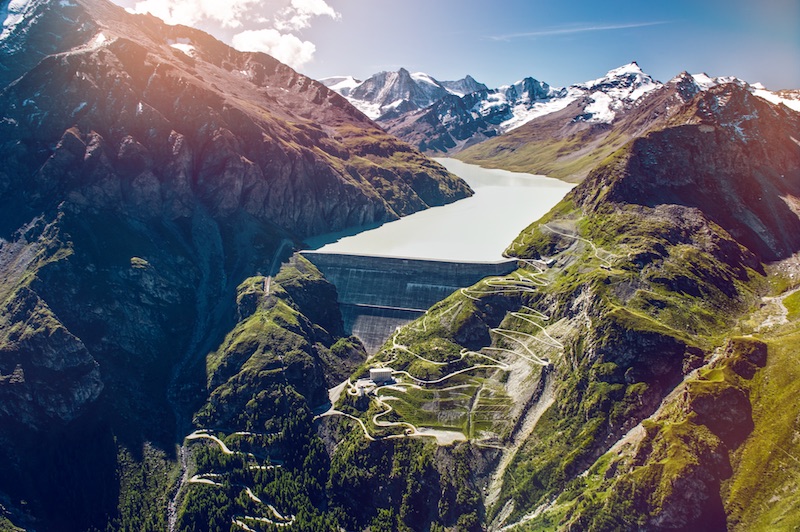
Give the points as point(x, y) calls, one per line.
point(388, 276)
point(236, 298)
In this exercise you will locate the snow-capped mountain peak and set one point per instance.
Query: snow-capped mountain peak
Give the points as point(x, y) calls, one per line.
point(464, 86)
point(422, 77)
point(705, 82)
point(620, 87)
point(400, 91)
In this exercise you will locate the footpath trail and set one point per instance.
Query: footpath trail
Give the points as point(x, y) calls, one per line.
point(213, 480)
point(605, 261)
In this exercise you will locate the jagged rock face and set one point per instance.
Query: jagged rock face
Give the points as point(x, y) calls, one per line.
point(728, 153)
point(528, 90)
point(443, 126)
point(38, 346)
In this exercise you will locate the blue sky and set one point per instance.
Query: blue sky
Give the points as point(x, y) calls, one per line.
point(502, 41)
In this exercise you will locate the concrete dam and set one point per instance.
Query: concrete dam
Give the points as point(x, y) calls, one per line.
point(379, 294)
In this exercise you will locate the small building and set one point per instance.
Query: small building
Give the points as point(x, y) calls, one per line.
point(380, 375)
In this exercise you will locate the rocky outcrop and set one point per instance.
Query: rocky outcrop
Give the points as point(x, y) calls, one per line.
point(746, 177)
point(47, 372)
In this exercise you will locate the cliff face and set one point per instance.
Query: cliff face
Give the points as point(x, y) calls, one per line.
point(728, 153)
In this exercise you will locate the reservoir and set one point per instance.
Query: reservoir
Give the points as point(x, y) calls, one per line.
point(475, 229)
point(389, 275)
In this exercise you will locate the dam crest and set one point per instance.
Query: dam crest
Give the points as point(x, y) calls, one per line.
point(377, 294)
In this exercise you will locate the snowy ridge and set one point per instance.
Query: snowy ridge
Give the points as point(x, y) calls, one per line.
point(399, 91)
point(184, 45)
point(705, 82)
point(522, 114)
point(341, 84)
point(789, 98)
point(443, 116)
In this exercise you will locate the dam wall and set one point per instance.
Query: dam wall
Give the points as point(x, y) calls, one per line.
point(379, 294)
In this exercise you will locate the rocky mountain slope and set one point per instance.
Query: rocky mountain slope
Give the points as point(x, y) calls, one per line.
point(148, 170)
point(622, 378)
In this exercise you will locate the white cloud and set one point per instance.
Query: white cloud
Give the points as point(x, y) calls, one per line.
point(190, 12)
point(298, 15)
point(575, 29)
point(286, 17)
point(284, 47)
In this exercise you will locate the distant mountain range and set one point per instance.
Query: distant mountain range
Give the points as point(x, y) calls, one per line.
point(398, 92)
point(447, 117)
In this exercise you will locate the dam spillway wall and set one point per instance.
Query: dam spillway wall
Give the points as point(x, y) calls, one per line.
point(379, 294)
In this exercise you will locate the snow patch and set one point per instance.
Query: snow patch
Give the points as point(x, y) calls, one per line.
point(14, 13)
point(184, 45)
point(100, 39)
point(422, 77)
point(341, 84)
point(81, 106)
point(394, 105)
point(600, 109)
point(776, 99)
point(705, 82)
point(524, 114)
point(372, 110)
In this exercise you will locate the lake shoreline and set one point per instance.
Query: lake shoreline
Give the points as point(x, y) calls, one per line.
point(474, 229)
